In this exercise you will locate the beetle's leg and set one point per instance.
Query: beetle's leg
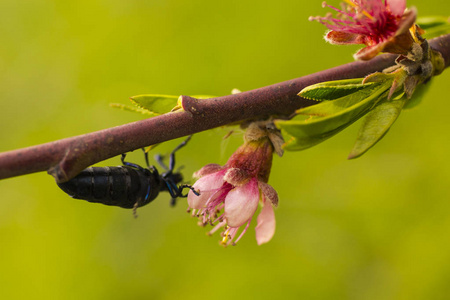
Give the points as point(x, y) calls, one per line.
point(146, 158)
point(125, 163)
point(172, 155)
point(187, 186)
point(172, 188)
point(159, 159)
point(177, 191)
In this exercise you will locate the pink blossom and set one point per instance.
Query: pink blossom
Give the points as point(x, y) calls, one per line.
point(230, 195)
point(381, 25)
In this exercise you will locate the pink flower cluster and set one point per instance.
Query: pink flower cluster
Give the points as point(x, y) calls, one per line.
point(230, 194)
point(381, 25)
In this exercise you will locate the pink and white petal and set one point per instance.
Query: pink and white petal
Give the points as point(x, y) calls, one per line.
point(241, 203)
point(206, 186)
point(208, 169)
point(236, 176)
point(343, 38)
point(397, 7)
point(198, 202)
point(265, 228)
point(269, 193)
point(368, 53)
point(408, 19)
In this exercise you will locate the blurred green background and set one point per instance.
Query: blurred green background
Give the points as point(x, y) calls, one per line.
point(377, 227)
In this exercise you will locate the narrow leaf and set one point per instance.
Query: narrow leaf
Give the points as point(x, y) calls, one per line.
point(329, 117)
point(434, 26)
point(334, 107)
point(160, 104)
point(331, 90)
point(131, 108)
point(432, 21)
point(376, 124)
point(156, 104)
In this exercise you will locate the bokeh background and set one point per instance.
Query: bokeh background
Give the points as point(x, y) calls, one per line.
point(377, 227)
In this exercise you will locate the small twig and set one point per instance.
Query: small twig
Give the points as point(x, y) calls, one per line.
point(65, 158)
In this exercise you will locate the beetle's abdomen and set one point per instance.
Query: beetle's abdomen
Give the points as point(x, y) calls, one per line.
point(117, 186)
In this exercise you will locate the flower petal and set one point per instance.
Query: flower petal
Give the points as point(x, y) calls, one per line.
point(343, 38)
point(269, 193)
point(368, 53)
point(265, 229)
point(236, 176)
point(408, 20)
point(241, 203)
point(208, 169)
point(206, 185)
point(397, 7)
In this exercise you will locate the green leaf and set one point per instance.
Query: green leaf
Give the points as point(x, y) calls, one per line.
point(131, 108)
point(155, 104)
point(297, 140)
point(431, 21)
point(376, 124)
point(334, 107)
point(330, 117)
point(434, 26)
point(331, 90)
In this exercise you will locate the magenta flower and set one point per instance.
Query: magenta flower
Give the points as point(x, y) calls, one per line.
point(230, 194)
point(383, 26)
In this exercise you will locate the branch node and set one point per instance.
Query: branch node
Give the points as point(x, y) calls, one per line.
point(58, 173)
point(58, 170)
point(191, 104)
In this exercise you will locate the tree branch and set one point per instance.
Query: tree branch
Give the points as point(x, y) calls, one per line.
point(65, 158)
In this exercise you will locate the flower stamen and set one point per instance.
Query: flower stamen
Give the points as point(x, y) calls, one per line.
point(364, 12)
point(217, 227)
point(242, 233)
point(226, 236)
